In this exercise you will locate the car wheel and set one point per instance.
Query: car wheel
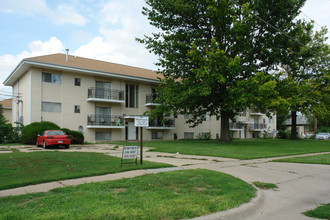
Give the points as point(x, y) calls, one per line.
point(67, 146)
point(45, 145)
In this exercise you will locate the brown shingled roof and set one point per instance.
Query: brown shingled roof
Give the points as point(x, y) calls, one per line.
point(6, 103)
point(95, 65)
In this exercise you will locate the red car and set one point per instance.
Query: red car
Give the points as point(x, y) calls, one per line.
point(53, 137)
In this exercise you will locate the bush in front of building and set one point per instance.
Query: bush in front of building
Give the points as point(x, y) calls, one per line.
point(75, 136)
point(283, 134)
point(31, 131)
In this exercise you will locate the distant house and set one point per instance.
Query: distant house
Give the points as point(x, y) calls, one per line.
point(102, 99)
point(7, 109)
point(303, 125)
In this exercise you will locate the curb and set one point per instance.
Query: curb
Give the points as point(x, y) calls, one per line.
point(245, 211)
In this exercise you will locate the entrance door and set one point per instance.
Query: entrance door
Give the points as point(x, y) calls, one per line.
point(131, 131)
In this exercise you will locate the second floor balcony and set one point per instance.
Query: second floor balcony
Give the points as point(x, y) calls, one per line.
point(258, 127)
point(151, 99)
point(236, 126)
point(105, 121)
point(105, 95)
point(162, 125)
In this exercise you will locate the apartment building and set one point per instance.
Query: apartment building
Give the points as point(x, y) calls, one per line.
point(7, 109)
point(101, 99)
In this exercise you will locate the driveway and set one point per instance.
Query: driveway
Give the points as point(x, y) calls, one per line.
point(301, 186)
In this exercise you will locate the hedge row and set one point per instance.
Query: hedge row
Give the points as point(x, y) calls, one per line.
point(31, 132)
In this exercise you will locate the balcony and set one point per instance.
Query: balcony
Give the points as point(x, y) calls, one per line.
point(235, 126)
point(105, 121)
point(158, 124)
point(105, 95)
point(258, 127)
point(256, 114)
point(150, 100)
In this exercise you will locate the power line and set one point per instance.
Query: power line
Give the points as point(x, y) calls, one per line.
point(279, 30)
point(306, 16)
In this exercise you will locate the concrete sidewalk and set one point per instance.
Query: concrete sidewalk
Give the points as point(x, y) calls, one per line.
point(301, 186)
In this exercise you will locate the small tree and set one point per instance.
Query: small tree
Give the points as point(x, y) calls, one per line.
point(31, 131)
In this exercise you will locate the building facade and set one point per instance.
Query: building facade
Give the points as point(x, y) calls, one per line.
point(101, 99)
point(7, 109)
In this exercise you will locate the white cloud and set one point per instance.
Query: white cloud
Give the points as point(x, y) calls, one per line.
point(36, 48)
point(63, 14)
point(119, 26)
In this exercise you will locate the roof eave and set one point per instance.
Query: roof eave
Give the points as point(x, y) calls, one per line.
point(26, 64)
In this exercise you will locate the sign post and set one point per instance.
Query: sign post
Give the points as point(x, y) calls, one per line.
point(141, 121)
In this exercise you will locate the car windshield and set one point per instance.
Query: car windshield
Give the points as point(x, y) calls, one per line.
point(56, 133)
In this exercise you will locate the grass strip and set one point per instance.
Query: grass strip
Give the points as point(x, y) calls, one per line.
point(316, 159)
point(21, 169)
point(171, 195)
point(239, 149)
point(262, 185)
point(322, 212)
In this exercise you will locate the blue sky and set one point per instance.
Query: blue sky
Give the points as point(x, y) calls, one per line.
point(99, 29)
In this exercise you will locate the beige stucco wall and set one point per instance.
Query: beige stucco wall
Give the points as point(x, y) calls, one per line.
point(7, 113)
point(34, 92)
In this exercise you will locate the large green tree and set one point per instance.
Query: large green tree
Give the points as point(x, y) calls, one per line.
point(302, 85)
point(206, 47)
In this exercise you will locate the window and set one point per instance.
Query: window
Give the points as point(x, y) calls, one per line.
point(52, 78)
point(264, 120)
point(77, 109)
point(188, 135)
point(132, 96)
point(77, 81)
point(157, 135)
point(51, 107)
point(270, 120)
point(102, 136)
point(103, 115)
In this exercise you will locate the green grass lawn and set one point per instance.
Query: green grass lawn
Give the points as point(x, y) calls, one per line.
point(240, 149)
point(172, 195)
point(21, 169)
point(322, 212)
point(317, 159)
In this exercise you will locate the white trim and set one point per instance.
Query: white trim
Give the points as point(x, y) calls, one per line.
point(105, 100)
point(104, 126)
point(26, 63)
point(160, 128)
point(152, 104)
point(30, 119)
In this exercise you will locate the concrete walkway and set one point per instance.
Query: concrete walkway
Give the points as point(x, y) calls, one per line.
point(301, 186)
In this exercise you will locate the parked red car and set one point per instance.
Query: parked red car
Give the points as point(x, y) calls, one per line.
point(52, 138)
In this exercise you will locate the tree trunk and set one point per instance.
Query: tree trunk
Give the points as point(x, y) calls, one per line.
point(293, 125)
point(224, 135)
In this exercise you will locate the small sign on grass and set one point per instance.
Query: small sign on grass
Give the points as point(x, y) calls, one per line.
point(129, 153)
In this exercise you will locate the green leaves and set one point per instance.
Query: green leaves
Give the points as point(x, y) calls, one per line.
point(209, 49)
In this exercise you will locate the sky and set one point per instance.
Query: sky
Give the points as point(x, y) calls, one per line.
point(97, 29)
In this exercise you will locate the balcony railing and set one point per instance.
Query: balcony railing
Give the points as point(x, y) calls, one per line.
point(150, 98)
point(258, 126)
point(101, 93)
point(235, 125)
point(105, 120)
point(168, 123)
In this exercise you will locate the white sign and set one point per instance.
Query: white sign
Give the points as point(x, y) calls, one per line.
point(130, 152)
point(141, 121)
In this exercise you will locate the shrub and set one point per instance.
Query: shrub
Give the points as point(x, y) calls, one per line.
point(13, 135)
point(31, 131)
point(75, 136)
point(283, 134)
